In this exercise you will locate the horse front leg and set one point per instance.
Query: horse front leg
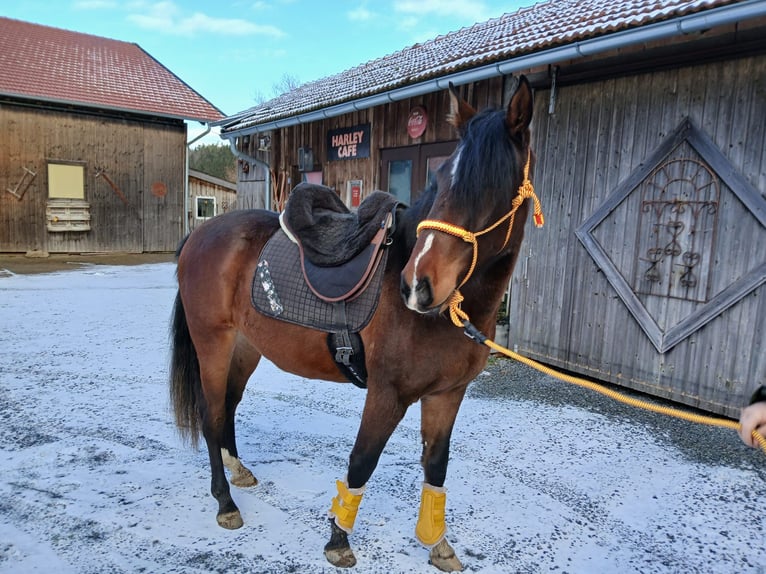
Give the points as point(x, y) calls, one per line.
point(438, 414)
point(382, 413)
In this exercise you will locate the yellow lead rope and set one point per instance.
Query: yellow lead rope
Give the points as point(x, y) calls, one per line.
point(669, 411)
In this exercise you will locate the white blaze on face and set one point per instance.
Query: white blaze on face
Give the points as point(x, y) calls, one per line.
point(412, 300)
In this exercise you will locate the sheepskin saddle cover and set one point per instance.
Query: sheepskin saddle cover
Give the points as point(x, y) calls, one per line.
point(327, 231)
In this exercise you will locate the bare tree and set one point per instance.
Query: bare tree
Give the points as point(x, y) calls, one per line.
point(286, 84)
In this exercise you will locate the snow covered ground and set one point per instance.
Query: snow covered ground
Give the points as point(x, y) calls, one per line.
point(94, 479)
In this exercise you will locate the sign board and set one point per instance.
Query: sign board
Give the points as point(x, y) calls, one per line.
point(354, 192)
point(348, 143)
point(417, 122)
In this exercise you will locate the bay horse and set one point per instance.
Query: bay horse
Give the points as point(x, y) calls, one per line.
point(413, 352)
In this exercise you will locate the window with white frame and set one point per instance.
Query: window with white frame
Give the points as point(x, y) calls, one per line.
point(205, 207)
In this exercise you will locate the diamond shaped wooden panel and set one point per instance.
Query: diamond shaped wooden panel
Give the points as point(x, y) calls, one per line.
point(672, 269)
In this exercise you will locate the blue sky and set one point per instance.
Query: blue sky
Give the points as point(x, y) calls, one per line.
point(234, 52)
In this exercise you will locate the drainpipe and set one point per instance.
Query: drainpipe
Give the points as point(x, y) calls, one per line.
point(244, 157)
point(186, 177)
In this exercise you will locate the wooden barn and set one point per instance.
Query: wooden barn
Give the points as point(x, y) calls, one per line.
point(93, 151)
point(649, 128)
point(209, 196)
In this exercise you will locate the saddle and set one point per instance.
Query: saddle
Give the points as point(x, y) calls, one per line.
point(339, 249)
point(324, 269)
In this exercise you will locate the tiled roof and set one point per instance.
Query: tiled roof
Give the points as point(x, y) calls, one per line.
point(544, 25)
point(54, 65)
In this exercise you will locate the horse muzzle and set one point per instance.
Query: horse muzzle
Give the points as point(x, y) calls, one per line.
point(419, 296)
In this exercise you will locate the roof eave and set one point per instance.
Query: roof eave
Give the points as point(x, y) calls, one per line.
point(31, 98)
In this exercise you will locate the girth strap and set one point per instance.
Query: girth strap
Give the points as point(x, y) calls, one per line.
point(347, 348)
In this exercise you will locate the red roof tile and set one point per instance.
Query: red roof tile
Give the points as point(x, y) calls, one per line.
point(50, 64)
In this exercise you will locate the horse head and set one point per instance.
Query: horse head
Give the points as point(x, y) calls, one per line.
point(477, 193)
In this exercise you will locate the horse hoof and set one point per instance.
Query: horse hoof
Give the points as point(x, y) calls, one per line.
point(244, 479)
point(230, 520)
point(338, 551)
point(443, 557)
point(340, 557)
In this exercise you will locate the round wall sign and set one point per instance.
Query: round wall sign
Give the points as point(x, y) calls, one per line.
point(417, 122)
point(159, 189)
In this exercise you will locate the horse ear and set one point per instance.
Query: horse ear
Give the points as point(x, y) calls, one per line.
point(460, 110)
point(520, 110)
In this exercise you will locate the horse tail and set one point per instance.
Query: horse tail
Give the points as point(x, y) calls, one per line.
point(185, 381)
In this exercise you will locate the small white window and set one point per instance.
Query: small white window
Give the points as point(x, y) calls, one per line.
point(205, 207)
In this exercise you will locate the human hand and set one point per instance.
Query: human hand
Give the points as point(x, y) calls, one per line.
point(752, 418)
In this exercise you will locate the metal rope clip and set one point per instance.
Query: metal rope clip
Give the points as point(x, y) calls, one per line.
point(470, 331)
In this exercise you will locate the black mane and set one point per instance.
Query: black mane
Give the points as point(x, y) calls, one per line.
point(487, 164)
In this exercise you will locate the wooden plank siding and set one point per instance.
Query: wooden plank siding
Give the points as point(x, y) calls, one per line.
point(163, 187)
point(565, 311)
point(133, 176)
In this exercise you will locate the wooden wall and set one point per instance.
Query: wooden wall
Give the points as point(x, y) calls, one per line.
point(569, 309)
point(134, 180)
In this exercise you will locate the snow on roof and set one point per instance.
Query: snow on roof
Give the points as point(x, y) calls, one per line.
point(544, 25)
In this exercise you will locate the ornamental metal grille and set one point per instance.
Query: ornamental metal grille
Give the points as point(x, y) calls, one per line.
point(677, 227)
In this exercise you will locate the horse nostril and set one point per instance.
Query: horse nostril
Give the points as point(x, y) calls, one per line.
point(424, 293)
point(404, 288)
point(418, 297)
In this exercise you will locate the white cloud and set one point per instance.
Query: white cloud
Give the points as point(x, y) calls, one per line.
point(360, 14)
point(199, 22)
point(167, 17)
point(408, 22)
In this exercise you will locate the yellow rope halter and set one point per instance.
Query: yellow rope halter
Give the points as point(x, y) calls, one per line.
point(526, 191)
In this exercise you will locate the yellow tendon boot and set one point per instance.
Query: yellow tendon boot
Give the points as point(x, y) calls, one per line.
point(345, 505)
point(431, 526)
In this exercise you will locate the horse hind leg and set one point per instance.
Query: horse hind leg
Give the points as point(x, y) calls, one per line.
point(241, 476)
point(228, 515)
point(199, 369)
point(243, 363)
point(216, 370)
